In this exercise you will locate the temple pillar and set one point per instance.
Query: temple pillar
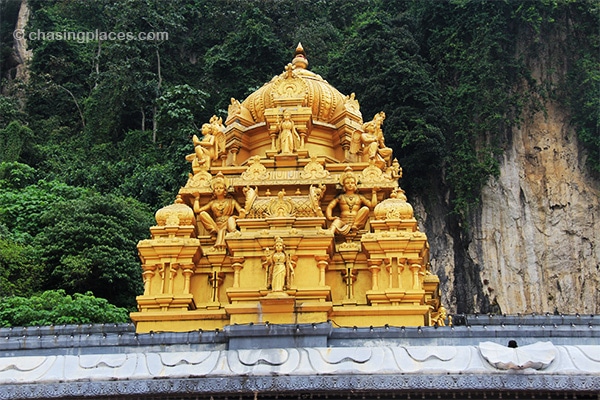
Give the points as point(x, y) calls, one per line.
point(415, 268)
point(322, 263)
point(237, 263)
point(187, 272)
point(374, 267)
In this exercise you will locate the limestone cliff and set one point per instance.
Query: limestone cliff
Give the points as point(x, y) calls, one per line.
point(533, 244)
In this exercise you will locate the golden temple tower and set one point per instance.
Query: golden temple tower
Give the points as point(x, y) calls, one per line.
point(292, 214)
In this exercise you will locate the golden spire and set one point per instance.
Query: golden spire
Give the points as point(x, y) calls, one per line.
point(300, 60)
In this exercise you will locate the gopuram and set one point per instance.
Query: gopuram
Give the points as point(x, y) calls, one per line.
point(292, 214)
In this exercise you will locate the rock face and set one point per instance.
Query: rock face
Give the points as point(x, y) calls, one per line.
point(537, 234)
point(22, 54)
point(533, 245)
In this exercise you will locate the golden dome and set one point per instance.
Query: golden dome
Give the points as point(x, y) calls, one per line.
point(297, 86)
point(178, 214)
point(395, 207)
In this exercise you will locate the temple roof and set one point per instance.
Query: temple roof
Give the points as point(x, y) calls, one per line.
point(297, 82)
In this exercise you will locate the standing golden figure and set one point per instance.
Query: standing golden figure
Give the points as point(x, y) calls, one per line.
point(289, 140)
point(280, 267)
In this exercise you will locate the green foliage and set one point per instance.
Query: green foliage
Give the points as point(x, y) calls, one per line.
point(89, 243)
point(19, 269)
point(12, 140)
point(14, 175)
point(472, 46)
point(381, 62)
point(9, 11)
point(86, 241)
point(9, 111)
point(253, 40)
point(99, 123)
point(21, 208)
point(582, 86)
point(585, 105)
point(180, 107)
point(55, 307)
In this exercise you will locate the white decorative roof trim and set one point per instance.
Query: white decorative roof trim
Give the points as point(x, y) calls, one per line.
point(436, 367)
point(537, 356)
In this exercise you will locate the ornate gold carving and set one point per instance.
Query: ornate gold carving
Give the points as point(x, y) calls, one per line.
point(300, 206)
point(280, 206)
point(234, 108)
point(352, 104)
point(314, 170)
point(210, 147)
point(289, 86)
point(176, 214)
point(315, 196)
point(297, 113)
point(395, 207)
point(251, 194)
point(255, 171)
point(372, 174)
point(199, 180)
point(288, 140)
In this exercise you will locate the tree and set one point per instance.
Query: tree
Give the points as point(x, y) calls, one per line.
point(90, 244)
point(12, 141)
point(84, 240)
point(19, 269)
point(381, 62)
point(55, 307)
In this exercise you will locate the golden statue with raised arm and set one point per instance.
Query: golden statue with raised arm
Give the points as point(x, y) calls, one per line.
point(354, 207)
point(222, 207)
point(210, 147)
point(372, 142)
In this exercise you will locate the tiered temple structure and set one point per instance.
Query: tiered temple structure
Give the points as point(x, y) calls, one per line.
point(292, 214)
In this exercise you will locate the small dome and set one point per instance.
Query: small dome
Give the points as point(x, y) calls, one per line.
point(296, 81)
point(395, 207)
point(177, 214)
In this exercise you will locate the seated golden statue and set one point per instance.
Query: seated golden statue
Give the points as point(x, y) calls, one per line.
point(280, 267)
point(354, 207)
point(222, 208)
point(209, 148)
point(372, 142)
point(289, 140)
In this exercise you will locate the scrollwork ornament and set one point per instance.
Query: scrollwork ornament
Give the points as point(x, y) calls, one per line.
point(255, 171)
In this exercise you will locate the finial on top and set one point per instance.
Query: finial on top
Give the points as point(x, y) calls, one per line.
point(300, 60)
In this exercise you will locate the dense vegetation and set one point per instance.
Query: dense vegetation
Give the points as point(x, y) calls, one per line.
point(94, 141)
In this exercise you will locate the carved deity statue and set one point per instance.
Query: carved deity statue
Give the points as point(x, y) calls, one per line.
point(288, 140)
point(234, 108)
point(222, 207)
point(316, 193)
point(439, 317)
point(209, 148)
point(372, 142)
point(279, 266)
point(354, 207)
